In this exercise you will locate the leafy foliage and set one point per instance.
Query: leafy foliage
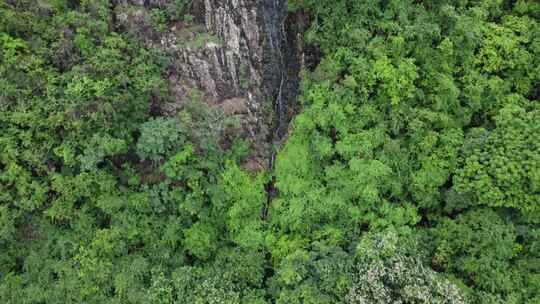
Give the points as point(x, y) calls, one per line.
point(99, 202)
point(321, 275)
point(484, 247)
point(502, 165)
point(410, 176)
point(420, 118)
point(159, 137)
point(386, 274)
point(158, 19)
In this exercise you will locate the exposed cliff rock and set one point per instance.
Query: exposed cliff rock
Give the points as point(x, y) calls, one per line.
point(232, 54)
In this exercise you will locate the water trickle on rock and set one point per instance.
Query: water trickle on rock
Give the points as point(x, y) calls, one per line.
point(242, 56)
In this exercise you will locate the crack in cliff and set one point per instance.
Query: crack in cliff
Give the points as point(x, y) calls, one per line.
point(112, 16)
point(285, 58)
point(273, 16)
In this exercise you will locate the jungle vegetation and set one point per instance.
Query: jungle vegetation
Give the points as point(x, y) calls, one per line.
point(411, 174)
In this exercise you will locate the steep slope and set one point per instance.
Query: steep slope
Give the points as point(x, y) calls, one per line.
point(239, 55)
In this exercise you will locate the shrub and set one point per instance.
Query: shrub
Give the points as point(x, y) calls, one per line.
point(159, 137)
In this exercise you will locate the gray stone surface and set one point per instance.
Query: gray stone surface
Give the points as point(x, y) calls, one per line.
point(230, 54)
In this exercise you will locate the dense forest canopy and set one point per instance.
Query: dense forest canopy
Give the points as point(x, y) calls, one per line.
point(410, 175)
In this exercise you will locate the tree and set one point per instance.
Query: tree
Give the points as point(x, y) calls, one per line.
point(481, 248)
point(159, 137)
point(501, 166)
point(320, 275)
point(387, 273)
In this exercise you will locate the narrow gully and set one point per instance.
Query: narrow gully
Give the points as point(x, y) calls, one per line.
point(284, 58)
point(274, 73)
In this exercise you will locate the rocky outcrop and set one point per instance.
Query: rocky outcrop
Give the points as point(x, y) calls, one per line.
point(231, 54)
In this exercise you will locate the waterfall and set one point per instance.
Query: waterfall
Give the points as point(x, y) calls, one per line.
point(276, 67)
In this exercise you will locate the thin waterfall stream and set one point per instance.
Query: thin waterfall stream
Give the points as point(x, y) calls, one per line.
point(274, 19)
point(282, 64)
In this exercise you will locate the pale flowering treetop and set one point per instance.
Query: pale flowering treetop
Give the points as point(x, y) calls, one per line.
point(386, 275)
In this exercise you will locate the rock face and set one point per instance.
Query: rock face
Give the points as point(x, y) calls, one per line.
point(231, 55)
